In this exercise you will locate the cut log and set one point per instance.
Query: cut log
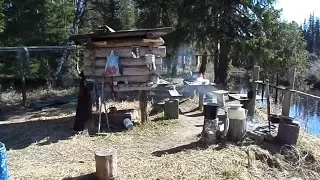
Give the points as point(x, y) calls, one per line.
point(210, 130)
point(126, 52)
point(122, 62)
point(128, 42)
point(237, 129)
point(106, 164)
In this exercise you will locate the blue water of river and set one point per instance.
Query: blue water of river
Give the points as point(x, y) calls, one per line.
point(306, 111)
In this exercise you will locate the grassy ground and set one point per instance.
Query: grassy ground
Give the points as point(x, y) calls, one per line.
point(42, 145)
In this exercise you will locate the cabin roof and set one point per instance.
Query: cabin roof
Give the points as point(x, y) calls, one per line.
point(103, 34)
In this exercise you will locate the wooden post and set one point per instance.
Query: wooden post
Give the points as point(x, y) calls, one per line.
point(0, 98)
point(252, 103)
point(268, 103)
point(143, 103)
point(23, 58)
point(201, 99)
point(106, 163)
point(288, 94)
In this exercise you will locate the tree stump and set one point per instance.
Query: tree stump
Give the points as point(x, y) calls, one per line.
point(106, 164)
point(209, 132)
point(210, 126)
point(237, 129)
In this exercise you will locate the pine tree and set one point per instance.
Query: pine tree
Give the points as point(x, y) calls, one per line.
point(311, 34)
point(317, 35)
point(128, 19)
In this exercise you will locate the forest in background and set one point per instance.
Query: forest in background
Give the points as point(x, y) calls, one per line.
point(240, 33)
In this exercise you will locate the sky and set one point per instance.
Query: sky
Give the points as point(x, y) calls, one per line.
point(298, 10)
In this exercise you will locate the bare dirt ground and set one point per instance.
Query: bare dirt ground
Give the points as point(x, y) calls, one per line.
point(43, 145)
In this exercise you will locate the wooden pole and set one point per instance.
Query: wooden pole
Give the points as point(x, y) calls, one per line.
point(106, 164)
point(22, 58)
point(252, 102)
point(201, 99)
point(0, 98)
point(268, 103)
point(288, 94)
point(143, 103)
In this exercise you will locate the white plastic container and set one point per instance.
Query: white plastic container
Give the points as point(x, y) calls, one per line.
point(128, 123)
point(235, 111)
point(151, 59)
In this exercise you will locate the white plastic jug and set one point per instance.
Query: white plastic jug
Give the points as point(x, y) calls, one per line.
point(235, 111)
point(128, 123)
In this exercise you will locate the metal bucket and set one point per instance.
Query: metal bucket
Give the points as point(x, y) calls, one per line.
point(3, 163)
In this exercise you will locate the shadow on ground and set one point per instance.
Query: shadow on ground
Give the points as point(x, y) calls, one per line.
point(21, 135)
point(193, 145)
point(91, 176)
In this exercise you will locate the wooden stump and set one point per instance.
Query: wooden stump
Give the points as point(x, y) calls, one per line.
point(237, 129)
point(209, 132)
point(143, 103)
point(106, 164)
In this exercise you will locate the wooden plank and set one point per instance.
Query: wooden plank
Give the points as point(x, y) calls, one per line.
point(240, 97)
point(128, 42)
point(150, 33)
point(122, 61)
point(174, 93)
point(288, 94)
point(137, 71)
point(130, 79)
point(126, 52)
point(129, 88)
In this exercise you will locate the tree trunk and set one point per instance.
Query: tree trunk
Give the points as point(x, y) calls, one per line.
point(204, 62)
point(224, 60)
point(216, 65)
point(174, 70)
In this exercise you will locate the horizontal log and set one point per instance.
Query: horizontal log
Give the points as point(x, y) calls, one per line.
point(139, 71)
point(130, 79)
point(122, 61)
point(126, 52)
point(130, 88)
point(149, 33)
point(128, 42)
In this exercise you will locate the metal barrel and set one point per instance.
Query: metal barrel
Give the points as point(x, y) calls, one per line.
point(210, 110)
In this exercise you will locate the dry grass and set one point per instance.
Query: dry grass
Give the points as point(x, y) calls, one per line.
point(42, 145)
point(15, 97)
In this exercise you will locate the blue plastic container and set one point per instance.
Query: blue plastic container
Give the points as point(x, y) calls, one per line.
point(3, 163)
